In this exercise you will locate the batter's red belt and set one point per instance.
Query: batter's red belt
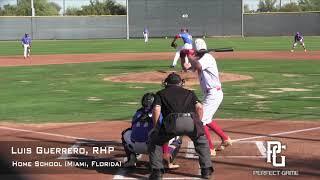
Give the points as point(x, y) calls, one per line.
point(218, 88)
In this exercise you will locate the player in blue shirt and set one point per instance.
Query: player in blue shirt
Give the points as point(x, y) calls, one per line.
point(26, 44)
point(298, 38)
point(187, 44)
point(135, 139)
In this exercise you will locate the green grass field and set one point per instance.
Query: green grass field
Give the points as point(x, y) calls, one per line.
point(155, 45)
point(77, 92)
point(62, 93)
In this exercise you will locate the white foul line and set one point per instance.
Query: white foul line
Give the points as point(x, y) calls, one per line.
point(191, 154)
point(47, 134)
point(277, 134)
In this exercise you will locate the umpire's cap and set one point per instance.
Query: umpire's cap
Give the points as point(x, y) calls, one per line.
point(173, 79)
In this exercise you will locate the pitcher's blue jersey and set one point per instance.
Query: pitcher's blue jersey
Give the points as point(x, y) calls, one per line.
point(186, 37)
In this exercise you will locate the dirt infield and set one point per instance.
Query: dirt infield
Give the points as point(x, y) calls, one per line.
point(191, 78)
point(246, 155)
point(244, 158)
point(79, 58)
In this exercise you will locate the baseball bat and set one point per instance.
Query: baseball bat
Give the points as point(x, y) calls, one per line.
point(221, 50)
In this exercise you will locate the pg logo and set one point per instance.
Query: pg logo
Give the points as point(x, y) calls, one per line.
point(273, 149)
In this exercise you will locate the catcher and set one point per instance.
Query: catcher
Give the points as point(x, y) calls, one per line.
point(26, 44)
point(187, 40)
point(135, 139)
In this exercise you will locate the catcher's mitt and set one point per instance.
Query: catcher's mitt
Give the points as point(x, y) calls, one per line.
point(174, 45)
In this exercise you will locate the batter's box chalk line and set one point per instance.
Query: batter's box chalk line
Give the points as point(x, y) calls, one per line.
point(191, 154)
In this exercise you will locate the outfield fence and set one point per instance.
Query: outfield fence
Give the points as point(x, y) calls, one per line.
point(282, 24)
point(68, 27)
point(164, 18)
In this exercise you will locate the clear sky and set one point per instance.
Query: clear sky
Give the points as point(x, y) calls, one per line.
point(78, 3)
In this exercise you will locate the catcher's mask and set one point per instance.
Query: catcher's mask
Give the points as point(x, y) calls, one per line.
point(173, 79)
point(147, 100)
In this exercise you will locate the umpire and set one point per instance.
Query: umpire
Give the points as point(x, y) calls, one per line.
point(182, 112)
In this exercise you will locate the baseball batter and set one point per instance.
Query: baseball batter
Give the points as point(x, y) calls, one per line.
point(187, 44)
point(135, 139)
point(26, 44)
point(210, 84)
point(298, 38)
point(145, 34)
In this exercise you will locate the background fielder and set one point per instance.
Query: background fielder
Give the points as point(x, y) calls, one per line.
point(298, 38)
point(145, 34)
point(26, 44)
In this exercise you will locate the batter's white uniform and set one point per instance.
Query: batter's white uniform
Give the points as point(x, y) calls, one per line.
point(211, 87)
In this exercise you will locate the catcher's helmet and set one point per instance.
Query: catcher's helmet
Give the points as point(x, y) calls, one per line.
point(147, 100)
point(173, 79)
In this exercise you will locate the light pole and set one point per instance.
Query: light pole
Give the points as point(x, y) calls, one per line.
point(280, 4)
point(32, 9)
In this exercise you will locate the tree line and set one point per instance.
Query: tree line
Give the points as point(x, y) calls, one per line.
point(45, 8)
point(273, 6)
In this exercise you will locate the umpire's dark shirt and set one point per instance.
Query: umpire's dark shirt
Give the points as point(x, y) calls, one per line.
point(175, 99)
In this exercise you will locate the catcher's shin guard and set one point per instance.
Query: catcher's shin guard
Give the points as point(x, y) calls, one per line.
point(125, 144)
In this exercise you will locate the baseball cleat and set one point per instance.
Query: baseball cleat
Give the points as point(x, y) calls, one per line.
point(172, 66)
point(156, 174)
point(206, 173)
point(171, 166)
point(305, 50)
point(292, 50)
point(129, 164)
point(132, 161)
point(224, 144)
point(213, 152)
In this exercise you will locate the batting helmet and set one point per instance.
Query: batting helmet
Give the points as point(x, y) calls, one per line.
point(200, 45)
point(147, 100)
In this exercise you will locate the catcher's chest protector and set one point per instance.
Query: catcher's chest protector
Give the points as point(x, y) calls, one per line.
point(141, 127)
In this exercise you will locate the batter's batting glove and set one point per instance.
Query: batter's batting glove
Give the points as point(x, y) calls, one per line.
point(174, 45)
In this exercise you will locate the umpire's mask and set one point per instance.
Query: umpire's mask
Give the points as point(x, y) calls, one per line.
point(173, 79)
